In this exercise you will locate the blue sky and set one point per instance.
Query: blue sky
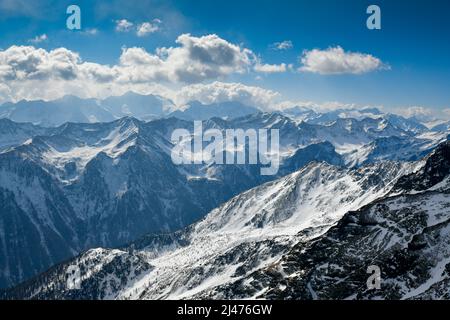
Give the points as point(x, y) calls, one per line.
point(413, 42)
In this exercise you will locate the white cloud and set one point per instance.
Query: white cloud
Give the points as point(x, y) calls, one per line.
point(414, 111)
point(147, 28)
point(35, 73)
point(28, 63)
point(124, 25)
point(142, 29)
point(224, 92)
point(5, 92)
point(270, 68)
point(31, 72)
point(337, 61)
point(39, 39)
point(284, 45)
point(90, 31)
point(424, 114)
point(195, 59)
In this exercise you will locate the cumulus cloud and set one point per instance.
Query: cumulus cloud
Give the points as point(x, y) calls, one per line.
point(195, 59)
point(147, 28)
point(39, 39)
point(270, 68)
point(29, 63)
point(142, 29)
point(284, 45)
point(124, 25)
point(337, 61)
point(35, 73)
point(224, 92)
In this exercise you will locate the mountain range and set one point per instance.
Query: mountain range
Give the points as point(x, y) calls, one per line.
point(106, 179)
point(309, 235)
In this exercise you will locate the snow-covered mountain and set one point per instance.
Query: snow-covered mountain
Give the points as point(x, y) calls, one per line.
point(308, 235)
point(81, 185)
point(87, 185)
point(313, 117)
point(78, 186)
point(401, 148)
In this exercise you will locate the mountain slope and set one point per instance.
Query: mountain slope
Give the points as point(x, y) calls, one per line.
point(247, 233)
point(406, 234)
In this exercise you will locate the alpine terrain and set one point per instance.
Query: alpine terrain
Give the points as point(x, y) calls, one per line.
point(309, 235)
